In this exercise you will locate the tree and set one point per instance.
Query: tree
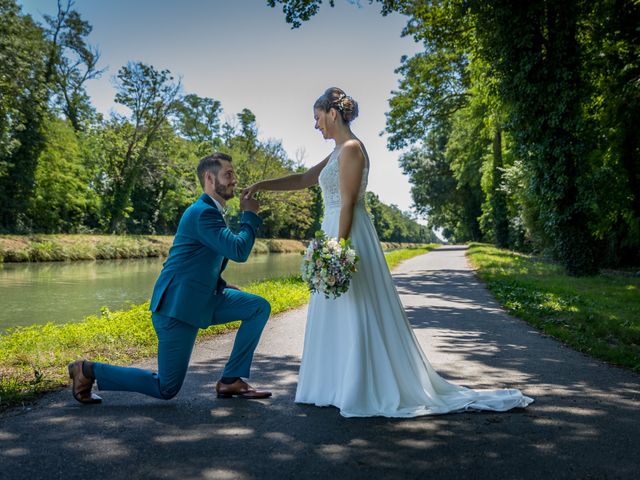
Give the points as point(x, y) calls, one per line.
point(449, 199)
point(296, 11)
point(150, 95)
point(71, 63)
point(167, 184)
point(23, 106)
point(62, 198)
point(535, 53)
point(198, 120)
point(393, 225)
point(36, 66)
point(611, 67)
point(285, 214)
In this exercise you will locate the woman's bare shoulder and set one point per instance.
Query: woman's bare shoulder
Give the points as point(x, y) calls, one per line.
point(352, 151)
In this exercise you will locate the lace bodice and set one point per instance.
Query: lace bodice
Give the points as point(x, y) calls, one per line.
point(329, 180)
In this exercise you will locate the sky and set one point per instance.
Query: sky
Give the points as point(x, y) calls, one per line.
point(244, 54)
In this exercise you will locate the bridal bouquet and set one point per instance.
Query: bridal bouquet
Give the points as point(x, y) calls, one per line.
point(328, 265)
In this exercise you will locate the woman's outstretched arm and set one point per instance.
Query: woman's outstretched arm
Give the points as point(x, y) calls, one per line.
point(297, 181)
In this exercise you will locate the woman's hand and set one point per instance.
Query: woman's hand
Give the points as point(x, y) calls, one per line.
point(250, 191)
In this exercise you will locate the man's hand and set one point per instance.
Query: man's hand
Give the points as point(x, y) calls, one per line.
point(249, 203)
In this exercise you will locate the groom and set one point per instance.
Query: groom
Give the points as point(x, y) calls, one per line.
point(190, 294)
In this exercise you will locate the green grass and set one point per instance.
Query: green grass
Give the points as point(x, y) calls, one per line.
point(396, 256)
point(33, 359)
point(60, 247)
point(597, 315)
point(70, 247)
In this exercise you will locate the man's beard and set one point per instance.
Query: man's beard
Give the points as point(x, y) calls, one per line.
point(225, 191)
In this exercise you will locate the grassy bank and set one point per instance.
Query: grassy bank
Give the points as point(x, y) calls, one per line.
point(62, 247)
point(56, 248)
point(597, 315)
point(33, 359)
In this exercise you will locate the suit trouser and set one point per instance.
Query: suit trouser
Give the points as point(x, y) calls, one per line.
point(175, 344)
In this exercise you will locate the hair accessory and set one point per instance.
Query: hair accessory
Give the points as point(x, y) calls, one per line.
point(339, 102)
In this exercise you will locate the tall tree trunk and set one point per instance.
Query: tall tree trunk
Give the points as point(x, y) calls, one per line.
point(575, 246)
point(498, 196)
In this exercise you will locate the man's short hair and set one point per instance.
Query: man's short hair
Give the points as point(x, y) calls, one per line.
point(211, 163)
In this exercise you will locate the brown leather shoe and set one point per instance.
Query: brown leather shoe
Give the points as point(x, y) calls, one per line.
point(241, 389)
point(81, 388)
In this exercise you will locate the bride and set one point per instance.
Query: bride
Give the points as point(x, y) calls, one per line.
point(360, 353)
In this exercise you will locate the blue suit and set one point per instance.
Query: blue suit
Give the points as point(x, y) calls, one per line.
point(190, 294)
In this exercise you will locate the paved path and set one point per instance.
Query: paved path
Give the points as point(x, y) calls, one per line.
point(585, 423)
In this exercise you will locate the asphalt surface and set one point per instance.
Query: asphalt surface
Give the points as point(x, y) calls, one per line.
point(584, 424)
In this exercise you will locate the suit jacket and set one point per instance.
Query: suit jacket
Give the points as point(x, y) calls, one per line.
point(190, 286)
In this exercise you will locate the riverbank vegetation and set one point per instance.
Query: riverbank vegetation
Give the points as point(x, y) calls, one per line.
point(33, 359)
point(598, 315)
point(61, 247)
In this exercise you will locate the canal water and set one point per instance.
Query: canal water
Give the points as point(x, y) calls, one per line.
point(37, 293)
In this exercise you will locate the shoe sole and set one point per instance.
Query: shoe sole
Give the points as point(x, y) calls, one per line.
point(240, 395)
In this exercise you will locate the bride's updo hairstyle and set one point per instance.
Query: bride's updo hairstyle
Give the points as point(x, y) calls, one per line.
point(334, 97)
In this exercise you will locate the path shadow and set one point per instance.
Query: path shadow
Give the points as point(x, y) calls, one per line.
point(196, 435)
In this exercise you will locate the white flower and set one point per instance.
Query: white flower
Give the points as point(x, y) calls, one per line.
point(333, 244)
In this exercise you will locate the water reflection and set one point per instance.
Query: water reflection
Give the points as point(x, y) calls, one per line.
point(68, 291)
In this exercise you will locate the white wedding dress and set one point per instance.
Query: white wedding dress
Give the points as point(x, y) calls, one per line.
point(360, 353)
